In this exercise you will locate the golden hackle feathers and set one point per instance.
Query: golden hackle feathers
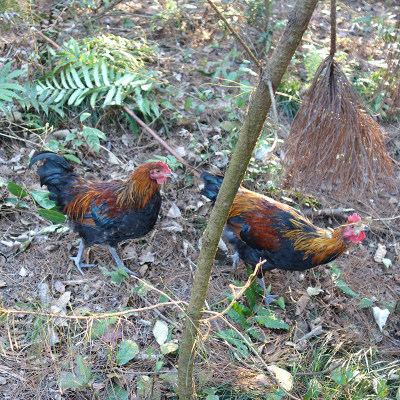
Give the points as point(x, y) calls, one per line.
point(319, 243)
point(134, 193)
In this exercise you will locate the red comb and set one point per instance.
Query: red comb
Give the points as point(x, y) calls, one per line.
point(164, 165)
point(354, 218)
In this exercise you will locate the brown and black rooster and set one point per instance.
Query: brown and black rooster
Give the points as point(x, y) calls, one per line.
point(104, 212)
point(260, 228)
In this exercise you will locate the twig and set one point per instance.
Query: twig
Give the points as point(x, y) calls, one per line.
point(275, 114)
point(54, 44)
point(325, 371)
point(162, 316)
point(228, 25)
point(238, 294)
point(159, 140)
point(332, 212)
point(5, 311)
point(315, 332)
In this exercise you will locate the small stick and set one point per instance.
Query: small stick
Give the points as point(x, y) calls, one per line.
point(159, 140)
point(340, 212)
point(228, 25)
point(54, 44)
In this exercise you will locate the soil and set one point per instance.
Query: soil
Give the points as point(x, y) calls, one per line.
point(36, 277)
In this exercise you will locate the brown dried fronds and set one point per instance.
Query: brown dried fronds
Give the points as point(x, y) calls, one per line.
point(333, 140)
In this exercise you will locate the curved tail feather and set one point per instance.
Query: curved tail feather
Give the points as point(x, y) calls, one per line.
point(55, 173)
point(212, 184)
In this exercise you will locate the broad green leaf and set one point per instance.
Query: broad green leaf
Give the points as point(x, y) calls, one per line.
point(69, 381)
point(365, 303)
point(127, 350)
point(73, 158)
point(53, 145)
point(53, 216)
point(99, 326)
point(236, 340)
point(118, 275)
point(116, 392)
point(42, 198)
point(77, 79)
point(268, 319)
point(82, 369)
point(342, 285)
point(16, 190)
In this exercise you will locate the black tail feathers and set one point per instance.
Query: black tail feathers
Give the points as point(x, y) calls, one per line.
point(55, 172)
point(212, 184)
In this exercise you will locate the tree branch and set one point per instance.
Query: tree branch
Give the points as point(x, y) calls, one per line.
point(253, 124)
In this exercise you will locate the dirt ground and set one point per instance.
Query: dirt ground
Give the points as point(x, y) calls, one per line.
point(167, 256)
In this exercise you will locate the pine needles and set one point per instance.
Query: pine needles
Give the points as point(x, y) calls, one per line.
point(333, 140)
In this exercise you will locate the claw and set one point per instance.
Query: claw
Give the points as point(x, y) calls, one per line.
point(268, 298)
point(119, 262)
point(77, 260)
point(79, 265)
point(235, 260)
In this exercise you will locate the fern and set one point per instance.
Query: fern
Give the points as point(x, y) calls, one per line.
point(10, 89)
point(100, 72)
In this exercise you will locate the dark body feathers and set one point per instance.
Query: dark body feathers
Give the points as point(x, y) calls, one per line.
point(104, 212)
point(260, 228)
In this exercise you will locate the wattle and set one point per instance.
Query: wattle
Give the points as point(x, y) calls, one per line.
point(358, 238)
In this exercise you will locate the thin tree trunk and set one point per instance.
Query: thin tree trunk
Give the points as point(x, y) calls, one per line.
point(258, 109)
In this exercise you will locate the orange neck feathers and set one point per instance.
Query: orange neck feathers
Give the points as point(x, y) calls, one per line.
point(321, 244)
point(138, 190)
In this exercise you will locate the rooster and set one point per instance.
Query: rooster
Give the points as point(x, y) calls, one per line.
point(104, 212)
point(262, 229)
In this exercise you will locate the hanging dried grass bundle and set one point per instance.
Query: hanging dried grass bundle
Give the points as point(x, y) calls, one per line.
point(333, 140)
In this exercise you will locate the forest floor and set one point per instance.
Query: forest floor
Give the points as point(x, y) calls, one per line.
point(38, 350)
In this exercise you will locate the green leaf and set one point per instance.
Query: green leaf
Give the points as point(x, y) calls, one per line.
point(42, 198)
point(53, 145)
point(73, 158)
point(281, 302)
point(69, 381)
point(268, 319)
point(110, 96)
point(235, 339)
point(99, 327)
point(117, 276)
point(365, 303)
point(16, 190)
point(127, 350)
point(116, 392)
point(342, 285)
point(53, 216)
point(84, 116)
point(104, 71)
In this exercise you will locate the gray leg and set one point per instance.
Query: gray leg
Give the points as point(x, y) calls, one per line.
point(268, 298)
point(235, 260)
point(118, 261)
point(77, 260)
